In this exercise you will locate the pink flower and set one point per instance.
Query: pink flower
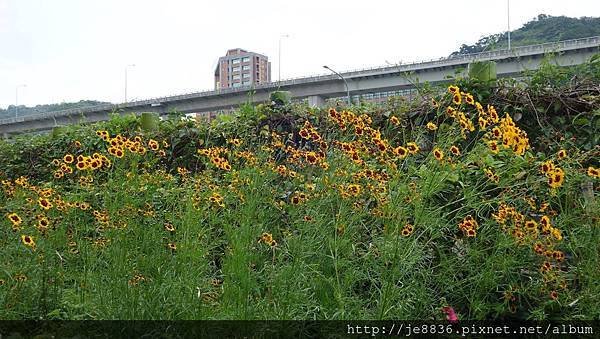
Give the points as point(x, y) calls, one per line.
point(450, 314)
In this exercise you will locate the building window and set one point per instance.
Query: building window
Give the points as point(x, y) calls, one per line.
point(246, 75)
point(235, 69)
point(246, 83)
point(245, 67)
point(236, 61)
point(236, 84)
point(236, 77)
point(246, 59)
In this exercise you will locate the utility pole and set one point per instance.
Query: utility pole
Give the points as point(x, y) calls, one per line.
point(280, 37)
point(508, 20)
point(345, 83)
point(126, 67)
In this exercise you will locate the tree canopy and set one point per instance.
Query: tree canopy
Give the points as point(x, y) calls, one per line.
point(544, 28)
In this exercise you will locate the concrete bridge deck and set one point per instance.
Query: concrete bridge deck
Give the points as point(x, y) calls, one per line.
point(318, 88)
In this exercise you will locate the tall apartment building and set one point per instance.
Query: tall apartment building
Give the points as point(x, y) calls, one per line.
point(242, 68)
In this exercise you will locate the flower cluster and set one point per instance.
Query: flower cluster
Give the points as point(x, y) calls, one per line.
point(267, 238)
point(469, 226)
point(407, 230)
point(216, 155)
point(554, 174)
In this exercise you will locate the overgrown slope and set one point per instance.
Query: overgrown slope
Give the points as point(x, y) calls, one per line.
point(291, 212)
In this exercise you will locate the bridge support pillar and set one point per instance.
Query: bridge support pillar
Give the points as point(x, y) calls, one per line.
point(4, 135)
point(316, 101)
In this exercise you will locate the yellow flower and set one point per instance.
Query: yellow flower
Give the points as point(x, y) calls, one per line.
point(44, 203)
point(482, 123)
point(454, 150)
point(401, 152)
point(304, 134)
point(153, 144)
point(267, 238)
point(15, 219)
point(235, 142)
point(457, 98)
point(169, 227)
point(556, 177)
point(412, 147)
point(546, 223)
point(469, 99)
point(562, 154)
point(547, 167)
point(394, 121)
point(453, 89)
point(493, 146)
point(493, 114)
point(593, 172)
point(556, 234)
point(431, 126)
point(438, 154)
point(28, 241)
point(407, 230)
point(182, 171)
point(311, 157)
point(451, 111)
point(68, 158)
point(354, 189)
point(531, 224)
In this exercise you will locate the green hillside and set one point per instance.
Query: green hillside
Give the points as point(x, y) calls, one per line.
point(544, 28)
point(24, 110)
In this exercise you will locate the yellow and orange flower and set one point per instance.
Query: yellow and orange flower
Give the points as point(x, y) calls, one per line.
point(593, 172)
point(153, 144)
point(438, 154)
point(455, 151)
point(28, 241)
point(45, 203)
point(457, 98)
point(407, 230)
point(15, 219)
point(412, 147)
point(401, 152)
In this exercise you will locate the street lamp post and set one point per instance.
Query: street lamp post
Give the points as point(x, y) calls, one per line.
point(17, 99)
point(508, 20)
point(279, 61)
point(345, 83)
point(126, 67)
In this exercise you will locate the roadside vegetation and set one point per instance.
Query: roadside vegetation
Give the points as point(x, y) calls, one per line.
point(482, 197)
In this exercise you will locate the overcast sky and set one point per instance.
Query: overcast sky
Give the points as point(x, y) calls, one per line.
point(69, 50)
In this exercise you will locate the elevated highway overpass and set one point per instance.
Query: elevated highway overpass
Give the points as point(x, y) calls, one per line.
point(319, 88)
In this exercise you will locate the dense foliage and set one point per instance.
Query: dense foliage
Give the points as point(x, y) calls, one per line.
point(466, 199)
point(544, 28)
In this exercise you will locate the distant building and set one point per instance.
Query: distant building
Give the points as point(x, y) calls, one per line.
point(242, 68)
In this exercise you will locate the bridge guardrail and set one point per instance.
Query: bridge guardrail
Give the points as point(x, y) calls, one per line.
point(496, 54)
